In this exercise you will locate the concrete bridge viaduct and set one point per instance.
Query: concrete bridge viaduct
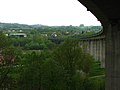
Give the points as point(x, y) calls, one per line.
point(96, 47)
point(107, 12)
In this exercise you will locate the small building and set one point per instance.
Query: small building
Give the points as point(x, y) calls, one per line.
point(17, 35)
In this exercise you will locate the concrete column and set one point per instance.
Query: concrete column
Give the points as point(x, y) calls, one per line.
point(95, 49)
point(92, 47)
point(113, 57)
point(88, 46)
point(103, 54)
point(100, 51)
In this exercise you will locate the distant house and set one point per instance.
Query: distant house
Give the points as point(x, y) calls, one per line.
point(20, 31)
point(17, 35)
point(44, 35)
point(54, 35)
point(6, 34)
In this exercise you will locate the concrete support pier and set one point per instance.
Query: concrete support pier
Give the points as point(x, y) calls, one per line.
point(107, 12)
point(113, 56)
point(95, 47)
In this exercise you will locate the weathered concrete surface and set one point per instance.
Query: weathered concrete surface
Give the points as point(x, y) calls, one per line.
point(96, 47)
point(113, 57)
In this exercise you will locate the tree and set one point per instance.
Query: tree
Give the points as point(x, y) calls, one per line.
point(7, 58)
point(72, 58)
point(4, 42)
point(30, 75)
point(53, 76)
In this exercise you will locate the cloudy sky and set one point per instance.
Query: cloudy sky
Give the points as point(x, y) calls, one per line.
point(46, 12)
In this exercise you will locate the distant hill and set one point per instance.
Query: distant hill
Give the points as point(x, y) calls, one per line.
point(17, 26)
point(6, 26)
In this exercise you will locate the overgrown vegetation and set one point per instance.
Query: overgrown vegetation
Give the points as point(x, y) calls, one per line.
point(37, 62)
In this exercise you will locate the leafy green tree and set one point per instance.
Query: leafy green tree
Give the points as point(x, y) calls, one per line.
point(73, 59)
point(7, 58)
point(4, 41)
point(30, 76)
point(53, 76)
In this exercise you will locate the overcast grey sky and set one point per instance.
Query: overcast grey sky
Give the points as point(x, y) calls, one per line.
point(46, 12)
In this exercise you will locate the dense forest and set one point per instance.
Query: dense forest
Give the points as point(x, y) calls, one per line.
point(48, 58)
